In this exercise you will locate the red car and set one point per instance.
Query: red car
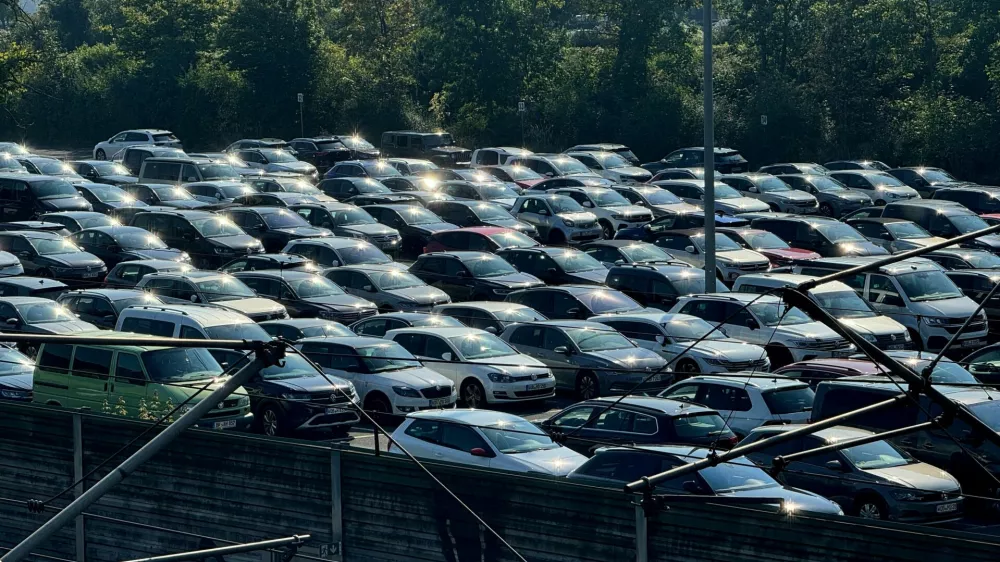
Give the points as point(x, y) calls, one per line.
point(815, 371)
point(478, 239)
point(777, 251)
point(991, 218)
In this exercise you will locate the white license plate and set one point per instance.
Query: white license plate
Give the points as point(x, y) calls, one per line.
point(971, 343)
point(896, 346)
point(90, 275)
point(228, 424)
point(842, 353)
point(438, 402)
point(335, 411)
point(947, 507)
point(534, 386)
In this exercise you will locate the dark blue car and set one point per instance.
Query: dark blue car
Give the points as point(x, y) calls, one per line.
point(15, 375)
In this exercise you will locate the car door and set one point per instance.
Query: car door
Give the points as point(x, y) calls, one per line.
point(457, 280)
point(732, 402)
point(129, 383)
point(90, 372)
point(25, 252)
point(456, 442)
point(883, 294)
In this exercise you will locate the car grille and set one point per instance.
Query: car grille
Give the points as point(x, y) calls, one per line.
point(353, 316)
point(890, 339)
point(977, 326)
point(277, 315)
point(536, 392)
point(383, 239)
point(639, 218)
point(827, 345)
point(940, 496)
point(327, 397)
point(745, 365)
point(436, 391)
point(763, 266)
point(541, 376)
point(589, 224)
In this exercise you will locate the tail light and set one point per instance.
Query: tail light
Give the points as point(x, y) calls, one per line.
point(732, 441)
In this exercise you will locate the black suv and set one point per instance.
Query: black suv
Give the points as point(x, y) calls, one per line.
point(557, 266)
point(102, 171)
point(639, 420)
point(479, 213)
point(981, 200)
point(307, 295)
point(74, 221)
point(437, 147)
point(727, 160)
point(657, 286)
point(275, 227)
point(827, 237)
point(209, 239)
point(574, 302)
point(325, 151)
point(101, 307)
point(25, 196)
point(343, 189)
point(132, 157)
point(415, 225)
point(927, 181)
point(466, 276)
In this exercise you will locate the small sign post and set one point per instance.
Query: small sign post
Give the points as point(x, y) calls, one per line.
point(302, 124)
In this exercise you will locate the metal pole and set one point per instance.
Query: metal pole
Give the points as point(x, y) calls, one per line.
point(147, 451)
point(641, 535)
point(709, 203)
point(302, 123)
point(781, 461)
point(223, 550)
point(81, 537)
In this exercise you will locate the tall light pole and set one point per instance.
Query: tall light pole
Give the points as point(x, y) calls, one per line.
point(709, 152)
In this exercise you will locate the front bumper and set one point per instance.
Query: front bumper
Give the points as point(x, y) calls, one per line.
point(941, 511)
point(521, 391)
point(581, 236)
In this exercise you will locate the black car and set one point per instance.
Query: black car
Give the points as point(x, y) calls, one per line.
point(36, 226)
point(343, 188)
point(347, 220)
point(927, 181)
point(838, 165)
point(404, 184)
point(557, 266)
point(864, 213)
point(478, 239)
point(307, 295)
point(652, 230)
point(260, 262)
point(335, 251)
point(294, 396)
point(977, 284)
point(657, 286)
point(282, 199)
point(479, 213)
point(964, 259)
point(471, 275)
point(438, 147)
point(828, 237)
point(377, 326)
point(74, 221)
point(979, 199)
point(652, 421)
point(727, 160)
point(574, 302)
point(16, 373)
point(570, 181)
point(275, 227)
point(45, 254)
point(294, 329)
point(209, 239)
point(165, 195)
point(132, 157)
point(283, 183)
point(415, 225)
point(620, 252)
point(128, 273)
point(385, 199)
point(25, 196)
point(101, 307)
point(114, 244)
point(102, 171)
point(322, 152)
point(32, 287)
point(365, 169)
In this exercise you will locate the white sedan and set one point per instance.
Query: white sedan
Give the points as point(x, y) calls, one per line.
point(484, 439)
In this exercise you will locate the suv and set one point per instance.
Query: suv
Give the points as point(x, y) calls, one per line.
point(275, 227)
point(416, 225)
point(25, 196)
point(895, 235)
point(437, 147)
point(795, 338)
point(638, 420)
point(747, 403)
point(727, 160)
point(479, 213)
point(556, 166)
point(325, 151)
point(471, 275)
point(133, 156)
point(655, 285)
point(388, 287)
point(771, 190)
point(556, 266)
point(946, 219)
point(809, 168)
point(189, 321)
point(214, 192)
point(98, 171)
point(158, 195)
point(558, 218)
point(589, 358)
point(209, 239)
point(727, 200)
point(880, 186)
point(619, 149)
point(347, 220)
point(307, 295)
point(47, 254)
point(731, 259)
point(334, 251)
point(276, 160)
point(620, 252)
point(927, 181)
point(185, 170)
point(389, 379)
point(126, 274)
point(825, 236)
point(154, 137)
point(410, 167)
point(613, 210)
point(612, 166)
point(497, 156)
point(875, 165)
point(489, 316)
point(101, 307)
point(574, 301)
point(834, 199)
point(978, 199)
point(211, 287)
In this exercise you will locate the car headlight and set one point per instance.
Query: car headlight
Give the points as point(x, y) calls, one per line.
point(717, 362)
point(295, 396)
point(906, 336)
point(618, 217)
point(906, 495)
point(569, 223)
point(244, 401)
point(869, 338)
point(500, 377)
point(15, 394)
point(982, 315)
point(502, 291)
point(185, 256)
point(406, 391)
point(931, 321)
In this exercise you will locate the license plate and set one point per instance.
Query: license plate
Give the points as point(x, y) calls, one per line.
point(330, 411)
point(655, 378)
point(972, 343)
point(842, 353)
point(535, 386)
point(896, 346)
point(90, 275)
point(228, 424)
point(947, 507)
point(438, 402)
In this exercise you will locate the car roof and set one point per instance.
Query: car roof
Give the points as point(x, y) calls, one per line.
point(15, 301)
point(193, 274)
point(654, 316)
point(31, 282)
point(185, 213)
point(718, 149)
point(829, 434)
point(32, 234)
point(879, 220)
point(654, 403)
point(487, 306)
point(858, 365)
point(29, 178)
point(206, 314)
point(669, 271)
point(383, 267)
point(461, 255)
point(335, 242)
point(760, 381)
point(75, 214)
point(864, 172)
point(467, 416)
point(156, 264)
point(349, 341)
point(405, 316)
point(115, 229)
point(275, 273)
point(298, 322)
point(112, 294)
point(444, 332)
point(569, 324)
point(964, 394)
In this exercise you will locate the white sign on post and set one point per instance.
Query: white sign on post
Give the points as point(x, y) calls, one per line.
point(520, 106)
point(763, 120)
point(300, 97)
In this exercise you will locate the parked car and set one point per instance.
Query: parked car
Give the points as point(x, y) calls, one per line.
point(414, 224)
point(258, 143)
point(307, 295)
point(613, 210)
point(22, 286)
point(365, 169)
point(691, 173)
point(114, 244)
point(10, 164)
point(16, 372)
point(26, 196)
point(218, 192)
point(776, 250)
point(981, 200)
point(558, 218)
point(520, 175)
point(104, 198)
point(771, 190)
point(927, 181)
point(344, 188)
point(568, 181)
point(880, 186)
point(336, 251)
point(179, 170)
point(277, 160)
point(209, 239)
point(635, 420)
point(115, 144)
point(872, 481)
point(684, 220)
point(479, 213)
point(411, 166)
point(827, 237)
point(478, 239)
point(492, 191)
point(211, 287)
point(727, 200)
point(350, 221)
point(490, 316)
point(101, 307)
point(294, 329)
point(388, 287)
point(806, 168)
point(660, 202)
point(731, 259)
point(35, 315)
point(45, 254)
point(270, 261)
point(864, 213)
point(50, 167)
point(274, 227)
point(14, 149)
point(835, 200)
point(555, 165)
point(165, 195)
point(100, 171)
point(875, 165)
point(496, 156)
point(471, 275)
point(612, 166)
point(324, 151)
point(377, 326)
point(946, 219)
point(658, 286)
point(616, 148)
point(272, 199)
point(556, 266)
point(132, 157)
point(574, 301)
point(438, 147)
point(977, 284)
point(895, 235)
point(128, 273)
point(727, 160)
point(621, 252)
point(286, 183)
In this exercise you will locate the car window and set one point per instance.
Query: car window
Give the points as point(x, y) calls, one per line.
point(574, 417)
point(710, 311)
point(882, 291)
point(614, 420)
point(92, 362)
point(721, 397)
point(424, 430)
point(684, 393)
point(55, 357)
point(461, 438)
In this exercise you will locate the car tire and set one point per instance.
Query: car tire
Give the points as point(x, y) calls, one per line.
point(100, 154)
point(378, 407)
point(869, 506)
point(556, 237)
point(779, 356)
point(687, 368)
point(607, 230)
point(587, 386)
point(774, 207)
point(271, 421)
point(826, 210)
point(473, 394)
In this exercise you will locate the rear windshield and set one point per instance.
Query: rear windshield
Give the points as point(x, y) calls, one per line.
point(701, 425)
point(164, 137)
point(789, 400)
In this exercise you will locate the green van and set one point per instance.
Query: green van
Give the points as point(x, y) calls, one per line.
point(133, 381)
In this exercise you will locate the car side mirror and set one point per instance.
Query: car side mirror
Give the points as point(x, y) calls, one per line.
point(562, 349)
point(752, 324)
point(753, 189)
point(639, 203)
point(480, 452)
point(191, 179)
point(836, 465)
point(690, 249)
point(588, 204)
point(194, 298)
point(24, 254)
point(551, 271)
point(573, 312)
point(491, 329)
point(13, 321)
point(447, 356)
point(109, 316)
point(660, 339)
point(691, 487)
point(369, 288)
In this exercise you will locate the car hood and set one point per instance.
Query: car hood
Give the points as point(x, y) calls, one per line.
point(858, 249)
point(65, 204)
point(168, 254)
point(633, 172)
point(120, 179)
point(68, 327)
point(250, 306)
point(876, 326)
point(417, 377)
point(305, 231)
point(17, 382)
point(738, 205)
point(341, 301)
point(185, 204)
point(676, 208)
point(590, 276)
point(300, 167)
point(854, 195)
point(517, 364)
point(917, 475)
point(808, 330)
point(435, 227)
point(556, 462)
point(730, 350)
point(514, 280)
point(578, 217)
point(76, 259)
point(507, 204)
point(628, 358)
point(630, 211)
point(802, 500)
point(369, 229)
point(741, 256)
point(237, 242)
point(790, 254)
point(957, 307)
point(421, 295)
point(793, 195)
point(921, 242)
point(512, 224)
point(309, 383)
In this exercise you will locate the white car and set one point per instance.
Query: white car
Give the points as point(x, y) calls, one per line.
point(673, 335)
point(105, 149)
point(485, 439)
point(727, 199)
point(880, 186)
point(771, 190)
point(485, 368)
point(612, 166)
point(796, 338)
point(660, 201)
point(389, 379)
point(612, 209)
point(558, 219)
point(496, 156)
point(731, 259)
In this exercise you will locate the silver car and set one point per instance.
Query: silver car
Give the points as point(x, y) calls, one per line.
point(612, 209)
point(558, 219)
point(612, 166)
point(727, 199)
point(388, 287)
point(774, 192)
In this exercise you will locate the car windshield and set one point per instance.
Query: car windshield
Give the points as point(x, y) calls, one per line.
point(563, 204)
point(692, 329)
point(327, 329)
point(52, 189)
point(414, 215)
point(489, 265)
point(843, 304)
point(723, 191)
point(391, 280)
point(982, 259)
point(772, 185)
point(44, 312)
point(15, 363)
point(610, 160)
point(380, 169)
point(356, 143)
point(96, 220)
point(609, 198)
point(723, 243)
point(292, 366)
point(521, 436)
point(477, 176)
point(481, 346)
point(838, 232)
point(572, 261)
point(215, 227)
point(521, 314)
point(490, 211)
point(988, 413)
point(770, 312)
point(362, 252)
point(110, 169)
point(885, 180)
point(737, 476)
point(417, 166)
point(492, 192)
point(388, 356)
point(568, 165)
point(789, 400)
point(873, 456)
point(945, 371)
point(644, 252)
point(284, 219)
point(440, 139)
point(232, 191)
point(300, 187)
point(906, 230)
point(602, 301)
point(813, 169)
point(53, 168)
point(370, 186)
point(314, 286)
point(51, 246)
point(521, 173)
point(968, 223)
point(826, 184)
point(596, 339)
point(928, 286)
point(513, 239)
point(246, 331)
point(940, 176)
point(350, 217)
point(171, 193)
point(278, 156)
point(659, 196)
point(10, 164)
point(216, 171)
point(762, 240)
point(182, 364)
point(224, 288)
point(139, 239)
point(329, 145)
point(122, 304)
point(109, 193)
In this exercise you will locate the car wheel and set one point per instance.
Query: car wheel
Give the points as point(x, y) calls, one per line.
point(100, 154)
point(607, 230)
point(271, 422)
point(556, 237)
point(378, 407)
point(779, 356)
point(473, 394)
point(871, 507)
point(826, 210)
point(688, 368)
point(587, 386)
point(880, 203)
point(918, 344)
point(774, 207)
